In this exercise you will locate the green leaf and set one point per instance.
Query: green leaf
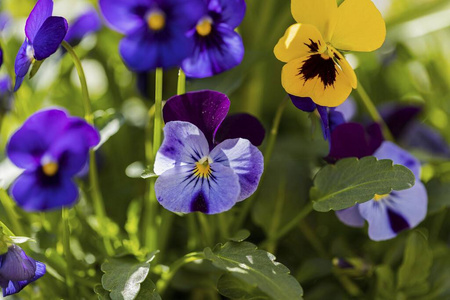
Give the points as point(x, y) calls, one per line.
point(109, 122)
point(233, 288)
point(438, 192)
point(417, 262)
point(240, 236)
point(21, 239)
point(148, 291)
point(148, 173)
point(352, 181)
point(385, 282)
point(256, 268)
point(101, 292)
point(35, 68)
point(124, 278)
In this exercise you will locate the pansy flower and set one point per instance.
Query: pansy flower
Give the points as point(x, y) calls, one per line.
point(44, 34)
point(87, 23)
point(17, 270)
point(389, 214)
point(156, 31)
point(206, 163)
point(218, 47)
point(312, 49)
point(51, 147)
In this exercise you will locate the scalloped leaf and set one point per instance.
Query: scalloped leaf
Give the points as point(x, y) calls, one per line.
point(352, 181)
point(256, 268)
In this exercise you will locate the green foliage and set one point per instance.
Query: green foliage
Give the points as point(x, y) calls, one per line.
point(438, 195)
point(35, 68)
point(257, 268)
point(233, 288)
point(352, 181)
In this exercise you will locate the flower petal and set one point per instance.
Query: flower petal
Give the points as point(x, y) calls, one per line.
point(360, 27)
point(184, 143)
point(376, 214)
point(34, 191)
point(389, 150)
point(22, 64)
point(303, 103)
point(230, 12)
point(346, 68)
point(298, 41)
point(351, 216)
point(427, 139)
point(243, 126)
point(124, 16)
point(14, 287)
point(244, 159)
point(399, 117)
point(205, 109)
point(49, 37)
point(16, 265)
point(179, 190)
point(218, 52)
point(85, 24)
point(320, 13)
point(41, 11)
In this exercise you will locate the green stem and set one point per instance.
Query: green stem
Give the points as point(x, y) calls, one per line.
point(204, 224)
point(373, 112)
point(67, 253)
point(158, 111)
point(267, 156)
point(181, 86)
point(13, 217)
point(163, 283)
point(271, 247)
point(89, 117)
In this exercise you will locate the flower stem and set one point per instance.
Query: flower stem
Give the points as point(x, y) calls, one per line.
point(158, 111)
point(373, 112)
point(267, 156)
point(67, 254)
point(181, 86)
point(93, 174)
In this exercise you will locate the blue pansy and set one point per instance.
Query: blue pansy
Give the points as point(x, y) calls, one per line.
point(202, 165)
point(156, 31)
point(389, 214)
point(17, 270)
point(87, 23)
point(51, 147)
point(218, 47)
point(44, 34)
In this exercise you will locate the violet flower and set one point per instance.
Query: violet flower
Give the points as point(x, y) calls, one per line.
point(218, 47)
point(87, 23)
point(203, 166)
point(44, 34)
point(156, 31)
point(17, 270)
point(52, 147)
point(388, 214)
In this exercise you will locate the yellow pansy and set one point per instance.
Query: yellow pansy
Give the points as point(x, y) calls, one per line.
point(311, 48)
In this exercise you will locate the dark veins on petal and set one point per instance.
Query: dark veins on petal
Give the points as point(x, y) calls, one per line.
point(313, 46)
point(398, 223)
point(316, 65)
point(199, 204)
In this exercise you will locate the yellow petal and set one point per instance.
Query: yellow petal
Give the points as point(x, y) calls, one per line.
point(360, 27)
point(293, 81)
point(320, 13)
point(332, 95)
point(298, 41)
point(346, 68)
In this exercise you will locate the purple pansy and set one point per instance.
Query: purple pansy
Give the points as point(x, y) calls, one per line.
point(44, 34)
point(387, 215)
point(202, 165)
point(6, 94)
point(218, 47)
point(156, 31)
point(17, 270)
point(52, 147)
point(87, 23)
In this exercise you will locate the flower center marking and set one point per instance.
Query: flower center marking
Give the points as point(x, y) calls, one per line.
point(379, 197)
point(203, 168)
point(156, 20)
point(50, 168)
point(204, 26)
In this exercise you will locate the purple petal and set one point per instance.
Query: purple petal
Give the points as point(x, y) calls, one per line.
point(205, 109)
point(351, 216)
point(243, 126)
point(1, 57)
point(230, 12)
point(13, 287)
point(244, 159)
point(183, 144)
point(347, 109)
point(179, 190)
point(303, 103)
point(325, 122)
point(389, 150)
point(49, 37)
point(85, 24)
point(5, 19)
point(16, 265)
point(125, 16)
point(375, 212)
point(34, 191)
point(41, 11)
point(218, 52)
point(425, 138)
point(398, 118)
point(23, 62)
point(335, 118)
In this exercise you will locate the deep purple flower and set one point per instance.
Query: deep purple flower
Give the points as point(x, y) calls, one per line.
point(203, 166)
point(85, 24)
point(6, 94)
point(44, 34)
point(52, 147)
point(389, 214)
point(156, 31)
point(17, 270)
point(218, 47)
point(1, 57)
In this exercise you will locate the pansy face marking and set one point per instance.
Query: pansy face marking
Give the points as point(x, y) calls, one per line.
point(203, 167)
point(204, 26)
point(156, 20)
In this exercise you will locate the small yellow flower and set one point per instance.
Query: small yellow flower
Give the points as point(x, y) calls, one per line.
point(315, 67)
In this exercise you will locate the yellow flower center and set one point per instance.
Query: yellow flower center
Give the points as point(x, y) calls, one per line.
point(156, 20)
point(379, 197)
point(204, 26)
point(203, 168)
point(50, 168)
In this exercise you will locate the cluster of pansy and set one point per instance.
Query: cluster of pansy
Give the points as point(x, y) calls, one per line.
point(197, 35)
